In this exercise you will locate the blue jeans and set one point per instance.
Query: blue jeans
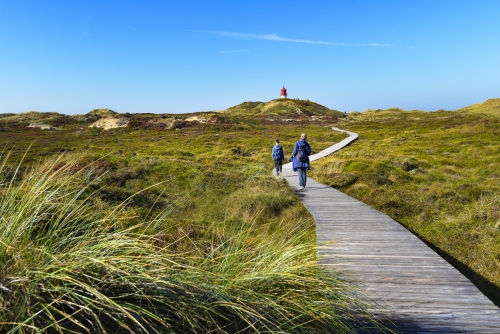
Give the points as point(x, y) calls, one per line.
point(302, 176)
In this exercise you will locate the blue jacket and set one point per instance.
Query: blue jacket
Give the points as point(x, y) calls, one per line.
point(295, 162)
point(277, 153)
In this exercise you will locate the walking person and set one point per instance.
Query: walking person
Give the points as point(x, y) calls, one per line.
point(278, 156)
point(300, 161)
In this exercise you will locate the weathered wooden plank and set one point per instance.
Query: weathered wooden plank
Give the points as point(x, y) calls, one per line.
point(409, 268)
point(418, 283)
point(340, 244)
point(358, 252)
point(388, 246)
point(388, 264)
point(422, 305)
point(443, 319)
point(398, 267)
point(462, 313)
point(379, 265)
point(355, 211)
point(372, 257)
point(374, 254)
point(347, 238)
point(384, 295)
point(424, 291)
point(396, 272)
point(431, 290)
point(389, 281)
point(459, 300)
point(396, 234)
point(436, 323)
point(335, 229)
point(432, 322)
point(370, 251)
point(439, 329)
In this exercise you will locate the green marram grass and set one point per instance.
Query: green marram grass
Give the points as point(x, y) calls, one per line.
point(69, 267)
point(162, 231)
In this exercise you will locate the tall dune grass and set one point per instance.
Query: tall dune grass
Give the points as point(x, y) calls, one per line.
point(68, 267)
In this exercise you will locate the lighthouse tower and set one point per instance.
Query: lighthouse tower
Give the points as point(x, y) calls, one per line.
point(283, 92)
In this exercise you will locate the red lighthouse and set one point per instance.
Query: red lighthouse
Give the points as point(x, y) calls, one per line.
point(283, 92)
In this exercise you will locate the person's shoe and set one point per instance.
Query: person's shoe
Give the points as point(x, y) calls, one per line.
point(301, 188)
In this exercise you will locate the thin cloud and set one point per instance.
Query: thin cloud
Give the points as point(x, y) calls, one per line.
point(85, 23)
point(374, 44)
point(86, 19)
point(234, 51)
point(268, 37)
point(276, 37)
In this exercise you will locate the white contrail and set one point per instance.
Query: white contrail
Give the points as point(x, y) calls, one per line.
point(269, 37)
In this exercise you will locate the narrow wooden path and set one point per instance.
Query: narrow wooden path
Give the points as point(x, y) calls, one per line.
point(417, 289)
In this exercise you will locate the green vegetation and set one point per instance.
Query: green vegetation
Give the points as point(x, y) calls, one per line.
point(437, 173)
point(142, 229)
point(175, 224)
point(289, 108)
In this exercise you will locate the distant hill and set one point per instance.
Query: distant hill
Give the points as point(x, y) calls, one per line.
point(31, 116)
point(489, 107)
point(393, 111)
point(246, 106)
point(102, 113)
point(387, 114)
point(278, 110)
point(53, 120)
point(283, 108)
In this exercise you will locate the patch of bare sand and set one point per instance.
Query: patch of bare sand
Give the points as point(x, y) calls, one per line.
point(110, 123)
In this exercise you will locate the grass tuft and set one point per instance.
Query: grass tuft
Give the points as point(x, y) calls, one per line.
point(73, 264)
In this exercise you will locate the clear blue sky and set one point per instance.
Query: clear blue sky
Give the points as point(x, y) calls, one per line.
point(185, 56)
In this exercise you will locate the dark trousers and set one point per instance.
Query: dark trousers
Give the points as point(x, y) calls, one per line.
point(278, 164)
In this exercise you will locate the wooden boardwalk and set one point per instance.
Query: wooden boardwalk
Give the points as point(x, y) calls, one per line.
point(418, 291)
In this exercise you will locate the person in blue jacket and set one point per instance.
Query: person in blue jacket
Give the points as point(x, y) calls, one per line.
point(278, 157)
point(300, 159)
